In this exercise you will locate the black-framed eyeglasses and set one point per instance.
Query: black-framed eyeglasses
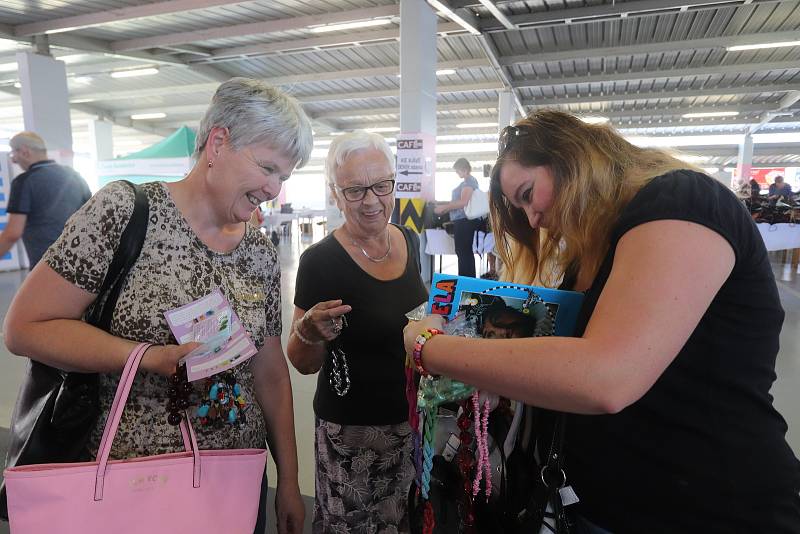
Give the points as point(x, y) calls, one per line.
point(356, 193)
point(508, 136)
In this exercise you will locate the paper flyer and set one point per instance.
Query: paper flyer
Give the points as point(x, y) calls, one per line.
point(210, 320)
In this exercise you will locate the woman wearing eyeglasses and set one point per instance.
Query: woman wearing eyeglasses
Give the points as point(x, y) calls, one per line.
point(352, 291)
point(671, 425)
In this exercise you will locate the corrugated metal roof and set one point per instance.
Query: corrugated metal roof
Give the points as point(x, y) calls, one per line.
point(594, 62)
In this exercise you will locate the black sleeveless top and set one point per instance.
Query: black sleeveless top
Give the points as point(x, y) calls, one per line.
point(703, 450)
point(373, 339)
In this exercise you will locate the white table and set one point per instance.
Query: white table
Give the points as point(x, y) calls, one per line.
point(782, 236)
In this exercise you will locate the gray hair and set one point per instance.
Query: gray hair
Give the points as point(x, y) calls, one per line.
point(254, 112)
point(28, 139)
point(345, 144)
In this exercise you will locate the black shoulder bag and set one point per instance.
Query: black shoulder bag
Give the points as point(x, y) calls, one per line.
point(56, 410)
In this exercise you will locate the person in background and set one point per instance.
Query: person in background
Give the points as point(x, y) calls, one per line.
point(42, 198)
point(780, 189)
point(198, 240)
point(464, 229)
point(755, 188)
point(671, 426)
point(369, 271)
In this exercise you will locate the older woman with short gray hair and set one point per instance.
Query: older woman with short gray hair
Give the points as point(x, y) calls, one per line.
point(352, 291)
point(198, 239)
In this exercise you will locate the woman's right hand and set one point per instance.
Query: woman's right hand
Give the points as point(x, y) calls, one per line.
point(163, 359)
point(323, 322)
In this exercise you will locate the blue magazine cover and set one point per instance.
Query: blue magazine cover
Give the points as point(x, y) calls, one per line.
point(495, 309)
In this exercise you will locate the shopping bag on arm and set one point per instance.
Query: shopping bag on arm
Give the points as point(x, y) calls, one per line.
point(56, 411)
point(198, 491)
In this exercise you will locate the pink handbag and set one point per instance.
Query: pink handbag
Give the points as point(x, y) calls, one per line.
point(209, 491)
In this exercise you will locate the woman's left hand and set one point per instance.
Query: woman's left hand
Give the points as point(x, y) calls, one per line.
point(289, 509)
point(415, 328)
point(440, 210)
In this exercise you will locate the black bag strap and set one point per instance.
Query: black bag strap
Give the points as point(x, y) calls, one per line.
point(128, 250)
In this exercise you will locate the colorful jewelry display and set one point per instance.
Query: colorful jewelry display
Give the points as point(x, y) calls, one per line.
point(224, 402)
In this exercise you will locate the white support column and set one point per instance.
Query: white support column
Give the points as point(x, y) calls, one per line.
point(416, 148)
point(101, 139)
point(45, 103)
point(744, 162)
point(505, 109)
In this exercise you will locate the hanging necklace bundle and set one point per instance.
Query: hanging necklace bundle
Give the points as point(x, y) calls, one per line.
point(338, 372)
point(370, 258)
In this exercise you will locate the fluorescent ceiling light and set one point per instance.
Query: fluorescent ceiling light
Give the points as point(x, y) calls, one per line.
point(710, 114)
point(477, 125)
point(135, 72)
point(595, 120)
point(383, 129)
point(8, 67)
point(445, 72)
point(71, 58)
point(145, 116)
point(81, 100)
point(781, 44)
point(8, 44)
point(349, 25)
point(82, 79)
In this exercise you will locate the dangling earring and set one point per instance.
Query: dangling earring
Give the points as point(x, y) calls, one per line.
point(210, 164)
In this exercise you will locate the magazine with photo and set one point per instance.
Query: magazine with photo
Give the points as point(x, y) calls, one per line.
point(476, 307)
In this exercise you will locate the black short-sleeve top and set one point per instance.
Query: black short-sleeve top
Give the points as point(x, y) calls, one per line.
point(373, 339)
point(704, 449)
point(173, 269)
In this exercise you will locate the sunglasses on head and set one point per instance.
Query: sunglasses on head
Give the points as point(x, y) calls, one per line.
point(509, 135)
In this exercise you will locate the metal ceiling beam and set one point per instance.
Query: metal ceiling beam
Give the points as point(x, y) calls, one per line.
point(616, 11)
point(499, 15)
point(310, 99)
point(368, 112)
point(785, 103)
point(470, 22)
point(314, 43)
point(651, 74)
point(648, 48)
point(463, 17)
point(659, 95)
point(680, 110)
point(103, 115)
point(118, 15)
point(277, 80)
point(255, 28)
point(85, 44)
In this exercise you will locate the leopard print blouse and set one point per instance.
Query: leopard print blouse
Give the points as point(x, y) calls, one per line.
point(173, 269)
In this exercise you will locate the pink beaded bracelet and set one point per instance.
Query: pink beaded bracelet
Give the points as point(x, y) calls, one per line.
point(419, 343)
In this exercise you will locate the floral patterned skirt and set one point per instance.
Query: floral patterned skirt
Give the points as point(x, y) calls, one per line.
point(363, 474)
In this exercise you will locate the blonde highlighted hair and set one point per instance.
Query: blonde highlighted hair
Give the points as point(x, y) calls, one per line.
point(596, 172)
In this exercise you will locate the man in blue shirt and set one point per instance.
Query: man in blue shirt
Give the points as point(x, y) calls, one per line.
point(780, 189)
point(42, 198)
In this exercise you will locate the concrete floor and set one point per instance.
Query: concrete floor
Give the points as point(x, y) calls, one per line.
point(786, 389)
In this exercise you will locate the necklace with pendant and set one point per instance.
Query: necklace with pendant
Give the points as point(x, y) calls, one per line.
point(370, 258)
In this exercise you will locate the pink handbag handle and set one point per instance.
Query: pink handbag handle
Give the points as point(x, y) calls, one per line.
point(115, 414)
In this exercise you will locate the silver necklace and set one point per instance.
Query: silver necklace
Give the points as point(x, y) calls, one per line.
point(370, 258)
